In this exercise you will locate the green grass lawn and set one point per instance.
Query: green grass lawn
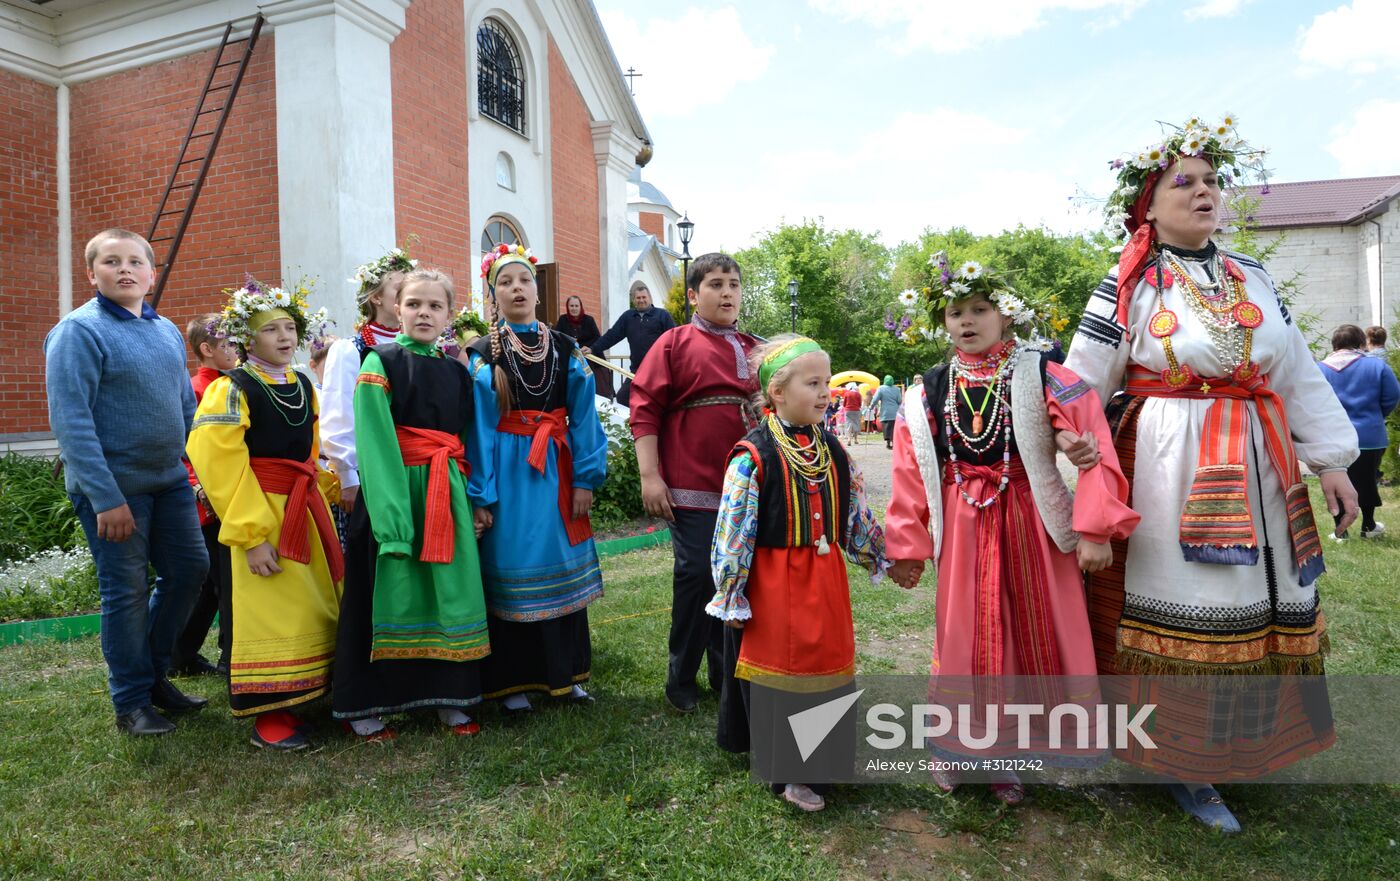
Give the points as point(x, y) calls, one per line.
point(626, 789)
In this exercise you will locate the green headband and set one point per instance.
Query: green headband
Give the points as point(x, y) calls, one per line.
point(784, 355)
point(501, 262)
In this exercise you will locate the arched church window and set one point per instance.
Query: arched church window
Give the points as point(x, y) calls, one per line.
point(500, 76)
point(499, 230)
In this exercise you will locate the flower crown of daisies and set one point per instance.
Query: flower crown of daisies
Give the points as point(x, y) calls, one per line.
point(254, 297)
point(504, 250)
point(1036, 322)
point(1220, 144)
point(371, 273)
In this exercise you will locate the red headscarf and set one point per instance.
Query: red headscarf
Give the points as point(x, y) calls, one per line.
point(582, 312)
point(1138, 251)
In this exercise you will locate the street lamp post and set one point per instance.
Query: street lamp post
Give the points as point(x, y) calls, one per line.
point(687, 229)
point(792, 302)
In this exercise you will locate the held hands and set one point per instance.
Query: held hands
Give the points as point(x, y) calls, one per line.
point(656, 498)
point(583, 500)
point(481, 520)
point(1081, 450)
point(906, 573)
point(1340, 496)
point(348, 496)
point(117, 524)
point(262, 560)
point(1094, 556)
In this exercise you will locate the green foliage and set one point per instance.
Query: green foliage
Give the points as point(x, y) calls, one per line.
point(1390, 461)
point(675, 302)
point(35, 513)
point(619, 500)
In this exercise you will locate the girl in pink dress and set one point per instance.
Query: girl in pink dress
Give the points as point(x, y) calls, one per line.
point(976, 489)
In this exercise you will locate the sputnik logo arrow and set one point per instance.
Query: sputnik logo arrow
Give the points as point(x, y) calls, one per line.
point(810, 727)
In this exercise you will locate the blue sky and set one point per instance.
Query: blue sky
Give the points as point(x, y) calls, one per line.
point(896, 115)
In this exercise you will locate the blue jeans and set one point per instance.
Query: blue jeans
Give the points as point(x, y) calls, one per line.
point(139, 624)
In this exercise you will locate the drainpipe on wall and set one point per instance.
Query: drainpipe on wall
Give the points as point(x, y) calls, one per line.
point(1380, 271)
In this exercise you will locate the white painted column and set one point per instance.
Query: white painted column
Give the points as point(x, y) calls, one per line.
point(65, 205)
point(335, 151)
point(615, 151)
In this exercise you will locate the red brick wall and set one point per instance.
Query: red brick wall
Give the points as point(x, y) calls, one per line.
point(29, 243)
point(653, 223)
point(577, 249)
point(428, 66)
point(125, 134)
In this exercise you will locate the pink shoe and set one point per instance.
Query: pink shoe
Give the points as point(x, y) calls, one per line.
point(803, 797)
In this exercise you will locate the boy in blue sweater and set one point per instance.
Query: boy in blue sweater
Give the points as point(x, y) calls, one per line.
point(120, 405)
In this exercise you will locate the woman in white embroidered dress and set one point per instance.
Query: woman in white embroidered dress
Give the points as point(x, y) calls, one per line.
point(1222, 400)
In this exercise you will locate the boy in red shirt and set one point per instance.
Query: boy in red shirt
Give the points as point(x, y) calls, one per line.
point(691, 402)
point(216, 357)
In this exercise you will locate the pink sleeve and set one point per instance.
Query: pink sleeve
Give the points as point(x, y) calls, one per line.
point(906, 519)
point(651, 390)
point(1100, 498)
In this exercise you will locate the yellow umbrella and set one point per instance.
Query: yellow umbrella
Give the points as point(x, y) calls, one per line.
point(866, 381)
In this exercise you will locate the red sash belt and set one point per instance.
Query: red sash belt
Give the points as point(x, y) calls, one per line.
point(424, 446)
point(1216, 524)
point(297, 481)
point(1008, 561)
point(543, 427)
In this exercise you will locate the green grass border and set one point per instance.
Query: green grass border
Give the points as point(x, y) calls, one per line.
point(79, 626)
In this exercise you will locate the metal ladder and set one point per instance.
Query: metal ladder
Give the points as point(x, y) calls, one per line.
point(197, 152)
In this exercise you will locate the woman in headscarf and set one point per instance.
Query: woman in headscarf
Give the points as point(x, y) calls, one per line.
point(577, 323)
point(885, 403)
point(1221, 401)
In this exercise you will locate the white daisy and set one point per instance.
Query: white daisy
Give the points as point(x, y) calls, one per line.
point(280, 297)
point(959, 288)
point(970, 270)
point(1193, 145)
point(1230, 119)
point(908, 297)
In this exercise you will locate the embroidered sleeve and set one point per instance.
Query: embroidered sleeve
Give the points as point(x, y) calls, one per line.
point(1101, 510)
point(865, 545)
point(736, 529)
point(1097, 353)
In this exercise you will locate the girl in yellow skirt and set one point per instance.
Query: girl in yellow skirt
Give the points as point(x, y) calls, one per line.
point(255, 448)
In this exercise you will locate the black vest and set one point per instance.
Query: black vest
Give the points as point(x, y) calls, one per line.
point(271, 432)
point(557, 396)
point(426, 392)
point(935, 397)
point(785, 498)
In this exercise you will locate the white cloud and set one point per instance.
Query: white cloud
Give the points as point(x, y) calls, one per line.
point(1367, 146)
point(955, 27)
point(680, 69)
point(1359, 38)
point(935, 169)
point(1215, 9)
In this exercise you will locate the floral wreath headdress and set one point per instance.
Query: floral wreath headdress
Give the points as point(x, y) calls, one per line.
point(1033, 321)
point(249, 306)
point(466, 327)
point(494, 259)
point(370, 274)
point(1237, 163)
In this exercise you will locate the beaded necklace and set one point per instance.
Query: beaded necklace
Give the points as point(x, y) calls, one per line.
point(283, 399)
point(812, 462)
point(515, 351)
point(370, 338)
point(1000, 422)
point(1229, 318)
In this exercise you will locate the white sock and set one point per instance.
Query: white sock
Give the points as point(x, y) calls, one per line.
point(367, 726)
point(517, 702)
point(578, 692)
point(451, 716)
